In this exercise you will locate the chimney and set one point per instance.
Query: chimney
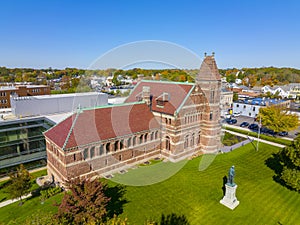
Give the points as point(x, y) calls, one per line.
point(146, 95)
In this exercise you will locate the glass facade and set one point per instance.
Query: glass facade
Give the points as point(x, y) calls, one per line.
point(22, 141)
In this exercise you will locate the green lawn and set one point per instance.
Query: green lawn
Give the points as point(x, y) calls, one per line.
point(196, 194)
point(4, 184)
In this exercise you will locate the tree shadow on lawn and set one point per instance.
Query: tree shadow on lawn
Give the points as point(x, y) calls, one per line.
point(117, 201)
point(275, 163)
point(173, 219)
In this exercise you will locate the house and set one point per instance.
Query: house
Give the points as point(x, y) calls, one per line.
point(170, 120)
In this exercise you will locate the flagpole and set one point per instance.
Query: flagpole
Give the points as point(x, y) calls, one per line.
point(259, 127)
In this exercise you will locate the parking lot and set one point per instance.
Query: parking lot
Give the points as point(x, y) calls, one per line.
point(240, 119)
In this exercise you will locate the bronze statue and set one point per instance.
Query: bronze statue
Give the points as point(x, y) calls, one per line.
point(231, 175)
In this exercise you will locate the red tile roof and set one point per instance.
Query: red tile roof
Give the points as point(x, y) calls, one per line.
point(177, 93)
point(102, 123)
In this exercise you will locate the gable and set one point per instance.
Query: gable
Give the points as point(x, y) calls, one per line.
point(176, 92)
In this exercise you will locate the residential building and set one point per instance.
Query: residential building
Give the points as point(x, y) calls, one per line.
point(21, 90)
point(250, 106)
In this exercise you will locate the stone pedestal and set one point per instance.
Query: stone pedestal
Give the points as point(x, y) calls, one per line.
point(230, 200)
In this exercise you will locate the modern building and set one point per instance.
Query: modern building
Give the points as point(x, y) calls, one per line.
point(21, 90)
point(169, 120)
point(53, 104)
point(250, 106)
point(22, 141)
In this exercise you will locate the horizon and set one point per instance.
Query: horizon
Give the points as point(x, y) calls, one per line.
point(248, 34)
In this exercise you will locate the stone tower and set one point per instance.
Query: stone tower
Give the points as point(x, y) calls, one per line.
point(209, 80)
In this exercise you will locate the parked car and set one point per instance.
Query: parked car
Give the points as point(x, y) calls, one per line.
point(272, 132)
point(283, 133)
point(253, 126)
point(231, 121)
point(244, 124)
point(236, 114)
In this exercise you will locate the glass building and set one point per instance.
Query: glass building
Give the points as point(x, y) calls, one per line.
point(22, 141)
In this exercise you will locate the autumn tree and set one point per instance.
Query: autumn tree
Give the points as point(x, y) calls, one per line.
point(83, 203)
point(278, 118)
point(20, 183)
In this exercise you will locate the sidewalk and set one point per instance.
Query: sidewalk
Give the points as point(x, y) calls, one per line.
point(254, 138)
point(5, 203)
point(30, 171)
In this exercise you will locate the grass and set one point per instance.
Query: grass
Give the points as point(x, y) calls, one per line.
point(196, 194)
point(15, 214)
point(261, 136)
point(230, 139)
point(4, 195)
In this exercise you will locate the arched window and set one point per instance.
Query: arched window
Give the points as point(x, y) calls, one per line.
point(151, 136)
point(141, 139)
point(116, 145)
point(198, 139)
point(128, 142)
point(92, 152)
point(193, 140)
point(186, 141)
point(156, 134)
point(121, 144)
point(101, 150)
point(146, 137)
point(107, 148)
point(85, 153)
point(168, 144)
point(134, 141)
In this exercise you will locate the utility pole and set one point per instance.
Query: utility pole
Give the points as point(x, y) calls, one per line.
point(259, 127)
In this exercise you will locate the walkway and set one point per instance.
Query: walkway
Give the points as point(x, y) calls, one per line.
point(5, 203)
point(30, 171)
point(249, 138)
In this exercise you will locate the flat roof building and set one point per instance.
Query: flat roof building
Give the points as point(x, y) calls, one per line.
point(53, 104)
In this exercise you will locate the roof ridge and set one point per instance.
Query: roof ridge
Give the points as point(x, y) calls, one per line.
point(113, 105)
point(184, 100)
point(71, 128)
point(168, 82)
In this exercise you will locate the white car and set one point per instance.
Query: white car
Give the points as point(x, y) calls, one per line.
point(236, 114)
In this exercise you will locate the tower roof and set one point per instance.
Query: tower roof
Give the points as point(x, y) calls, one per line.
point(209, 69)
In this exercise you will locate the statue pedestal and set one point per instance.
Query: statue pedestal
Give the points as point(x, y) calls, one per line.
point(230, 200)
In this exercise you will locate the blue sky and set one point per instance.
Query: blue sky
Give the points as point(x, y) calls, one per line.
point(61, 34)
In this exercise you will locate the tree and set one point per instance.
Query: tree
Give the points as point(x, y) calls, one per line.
point(278, 118)
point(20, 183)
point(235, 97)
point(290, 161)
point(83, 203)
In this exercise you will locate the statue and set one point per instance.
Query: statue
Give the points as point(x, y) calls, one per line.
point(229, 199)
point(231, 175)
